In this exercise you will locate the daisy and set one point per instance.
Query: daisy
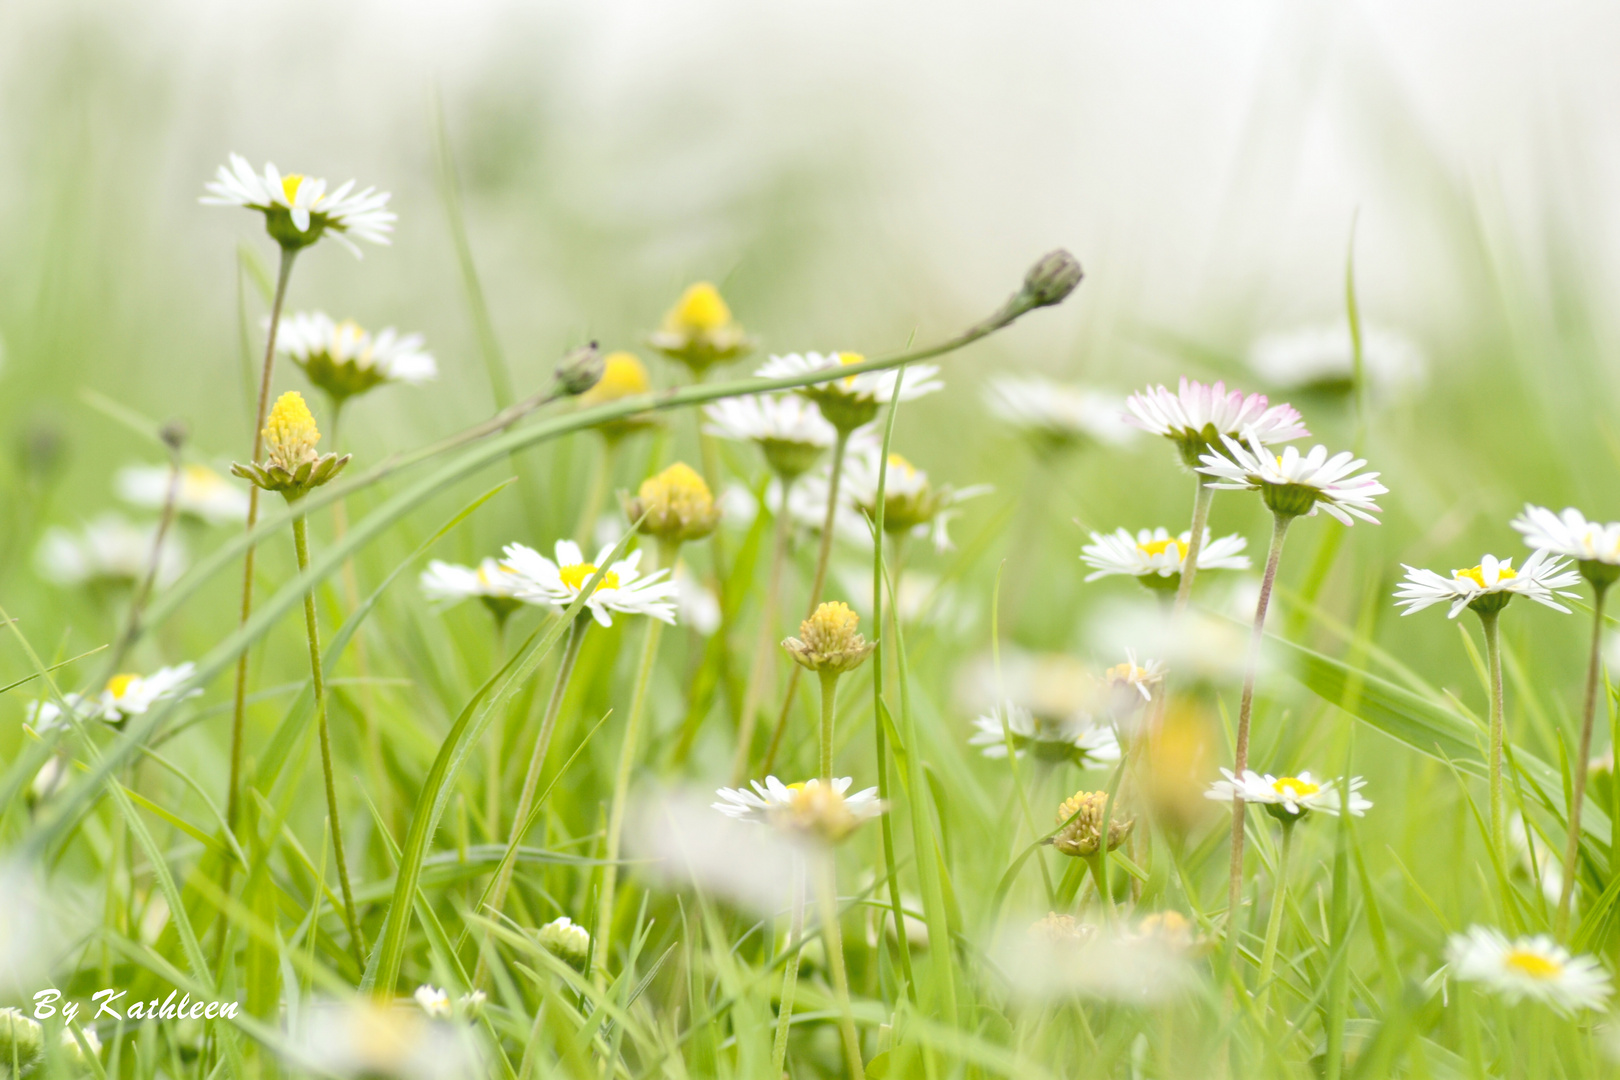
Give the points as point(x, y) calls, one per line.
point(1529, 967)
point(699, 330)
point(808, 808)
point(344, 360)
point(1056, 415)
point(1295, 484)
point(852, 401)
point(1488, 587)
point(1135, 679)
point(564, 938)
point(1322, 358)
point(1155, 558)
point(490, 582)
point(123, 697)
point(623, 376)
point(788, 428)
point(1083, 743)
point(623, 589)
point(911, 505)
point(203, 493)
point(1197, 416)
point(298, 210)
point(1595, 546)
point(108, 549)
point(365, 1038)
point(1288, 797)
point(434, 1001)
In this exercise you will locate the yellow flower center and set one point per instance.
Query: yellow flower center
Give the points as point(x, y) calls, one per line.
point(1532, 964)
point(623, 375)
point(906, 468)
point(290, 434)
point(577, 575)
point(202, 478)
point(1289, 785)
point(1477, 574)
point(119, 685)
point(848, 358)
point(289, 186)
point(1125, 672)
point(1159, 547)
point(832, 628)
point(699, 309)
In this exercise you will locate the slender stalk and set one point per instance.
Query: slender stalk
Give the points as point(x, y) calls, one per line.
point(832, 937)
point(1202, 498)
point(816, 585)
point(1594, 674)
point(621, 780)
point(596, 495)
point(313, 633)
point(1098, 865)
point(154, 562)
point(239, 700)
point(1279, 897)
point(790, 971)
point(1493, 662)
point(1234, 890)
point(829, 707)
point(763, 664)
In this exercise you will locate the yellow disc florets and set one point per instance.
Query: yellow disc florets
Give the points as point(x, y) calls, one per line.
point(699, 330)
point(1295, 787)
point(700, 309)
point(290, 434)
point(290, 185)
point(1533, 964)
point(1477, 574)
point(119, 685)
point(1082, 836)
point(577, 575)
point(675, 505)
point(830, 640)
point(1159, 547)
point(623, 375)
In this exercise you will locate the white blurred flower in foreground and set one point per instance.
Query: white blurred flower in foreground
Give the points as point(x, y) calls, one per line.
point(911, 505)
point(298, 210)
point(434, 1001)
point(124, 696)
point(1134, 680)
point(1488, 587)
point(1288, 796)
point(623, 590)
point(1536, 860)
point(34, 932)
point(1536, 967)
point(1058, 689)
point(1322, 358)
point(678, 839)
point(375, 1041)
point(1085, 744)
point(1295, 484)
point(1197, 416)
point(1058, 957)
point(1055, 415)
point(852, 401)
point(108, 549)
point(809, 809)
point(75, 1053)
point(565, 939)
point(1195, 645)
point(203, 493)
point(343, 359)
point(1155, 558)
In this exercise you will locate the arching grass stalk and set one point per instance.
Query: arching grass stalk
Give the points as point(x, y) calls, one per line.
point(1594, 675)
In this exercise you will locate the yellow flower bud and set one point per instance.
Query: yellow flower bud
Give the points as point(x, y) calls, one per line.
point(699, 310)
point(290, 434)
point(623, 375)
point(830, 640)
point(1082, 837)
point(677, 505)
point(699, 332)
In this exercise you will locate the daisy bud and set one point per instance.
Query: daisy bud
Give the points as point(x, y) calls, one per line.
point(1082, 837)
point(76, 1053)
point(472, 1005)
point(580, 370)
point(1053, 277)
point(623, 375)
point(699, 331)
point(677, 505)
point(830, 641)
point(566, 940)
point(21, 1039)
point(292, 467)
point(174, 434)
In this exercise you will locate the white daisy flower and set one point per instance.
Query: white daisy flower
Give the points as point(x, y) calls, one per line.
point(434, 1001)
point(203, 493)
point(911, 505)
point(1058, 958)
point(343, 359)
point(566, 939)
point(1293, 483)
point(1595, 546)
point(852, 401)
point(123, 697)
point(1155, 558)
point(109, 549)
point(788, 428)
point(298, 210)
point(450, 583)
point(623, 589)
point(1133, 678)
point(1057, 415)
point(1535, 860)
point(1198, 415)
point(1322, 358)
point(1536, 967)
point(371, 1039)
point(1288, 795)
point(808, 808)
point(1488, 587)
point(1085, 743)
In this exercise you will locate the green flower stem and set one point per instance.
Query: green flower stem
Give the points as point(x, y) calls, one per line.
point(764, 663)
point(1594, 674)
point(1234, 889)
point(1279, 898)
point(239, 700)
point(1097, 863)
point(790, 971)
point(816, 585)
point(1493, 661)
point(1202, 498)
point(596, 495)
point(833, 938)
point(313, 633)
point(621, 781)
point(829, 713)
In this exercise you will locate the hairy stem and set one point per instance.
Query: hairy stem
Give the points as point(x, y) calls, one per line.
point(1594, 674)
point(829, 712)
point(763, 664)
point(1493, 661)
point(1202, 498)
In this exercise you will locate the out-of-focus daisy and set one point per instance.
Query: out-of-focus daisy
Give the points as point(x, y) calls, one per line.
point(1594, 546)
point(1197, 416)
point(623, 589)
point(375, 1041)
point(1322, 359)
point(1154, 557)
point(852, 401)
point(1536, 967)
point(434, 1002)
point(298, 210)
point(1295, 484)
point(699, 330)
point(1535, 860)
point(108, 549)
point(567, 940)
point(22, 1040)
point(344, 360)
point(695, 602)
point(787, 427)
point(491, 582)
point(1059, 957)
point(75, 1053)
point(203, 493)
point(52, 777)
point(1059, 690)
point(911, 505)
point(1488, 587)
point(1056, 416)
point(123, 697)
point(1288, 797)
point(1134, 679)
point(810, 809)
point(1084, 744)
point(623, 376)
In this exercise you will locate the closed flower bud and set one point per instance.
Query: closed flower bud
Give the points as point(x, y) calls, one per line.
point(699, 331)
point(580, 370)
point(677, 505)
point(1082, 837)
point(1052, 279)
point(21, 1039)
point(829, 641)
point(623, 375)
point(291, 465)
point(566, 940)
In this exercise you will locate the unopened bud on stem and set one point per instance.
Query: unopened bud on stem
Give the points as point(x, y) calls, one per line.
point(1053, 277)
point(580, 370)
